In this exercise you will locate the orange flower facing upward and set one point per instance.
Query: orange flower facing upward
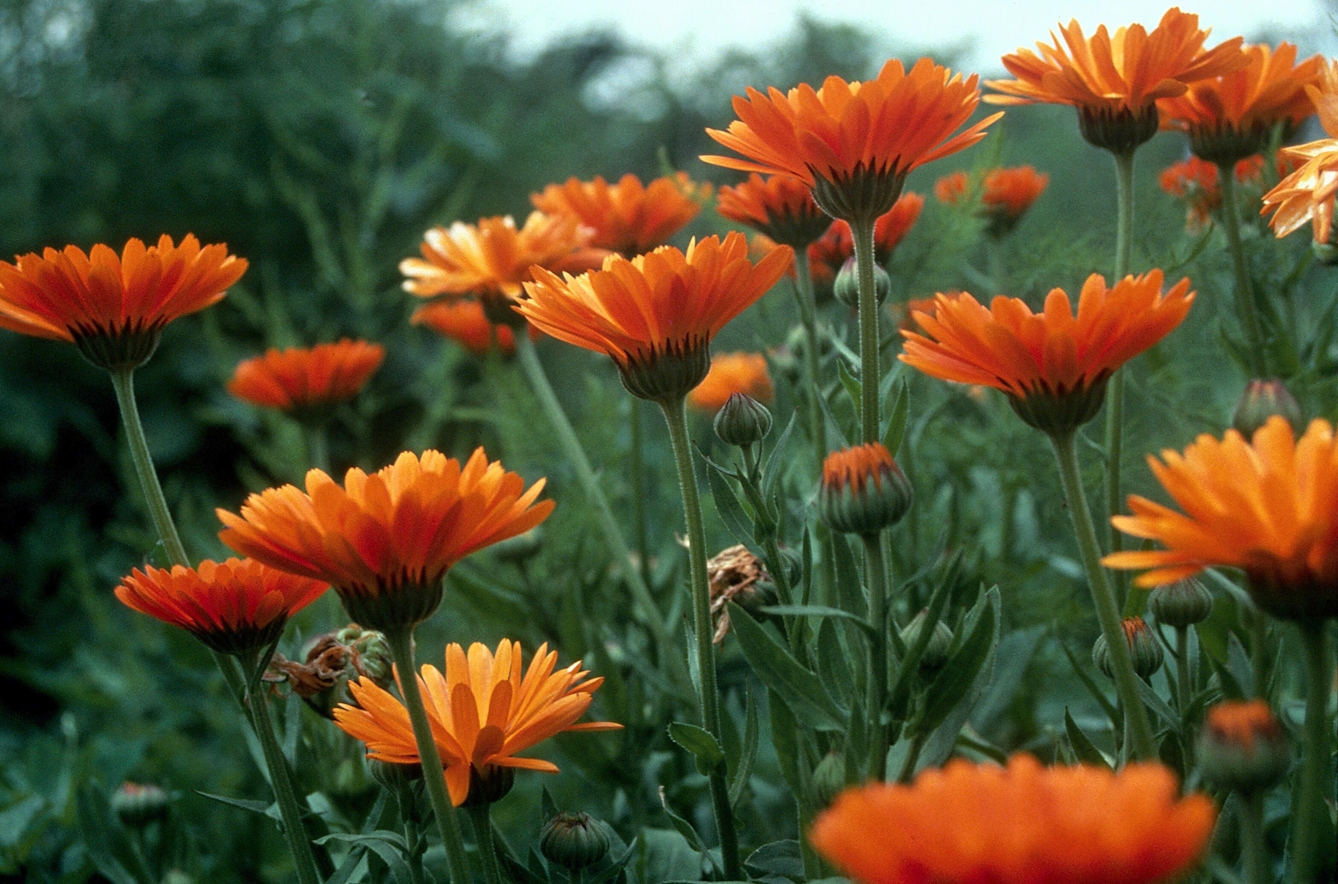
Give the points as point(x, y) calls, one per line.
point(113, 307)
point(733, 373)
point(1267, 506)
point(655, 314)
point(385, 540)
point(1005, 198)
point(969, 823)
point(627, 217)
point(233, 607)
point(303, 380)
point(1308, 193)
point(854, 143)
point(780, 207)
point(1053, 365)
point(467, 323)
point(483, 710)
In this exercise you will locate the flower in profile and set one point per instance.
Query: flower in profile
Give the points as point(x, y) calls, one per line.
point(863, 490)
point(836, 247)
point(1007, 194)
point(968, 823)
point(1114, 82)
point(1268, 506)
point(1243, 747)
point(854, 143)
point(385, 540)
point(234, 607)
point(655, 314)
point(307, 380)
point(113, 307)
point(1307, 194)
point(484, 710)
point(1053, 365)
point(780, 207)
point(733, 373)
point(1196, 182)
point(467, 323)
point(627, 217)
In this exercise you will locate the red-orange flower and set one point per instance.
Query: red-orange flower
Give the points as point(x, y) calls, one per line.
point(234, 606)
point(483, 711)
point(466, 322)
point(111, 306)
point(837, 246)
point(303, 378)
point(385, 540)
point(1006, 196)
point(781, 207)
point(970, 823)
point(627, 217)
point(1196, 182)
point(1267, 506)
point(863, 490)
point(1053, 365)
point(854, 143)
point(733, 373)
point(1308, 193)
point(655, 314)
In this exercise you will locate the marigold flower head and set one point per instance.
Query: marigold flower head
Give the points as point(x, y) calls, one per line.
point(468, 323)
point(863, 490)
point(1268, 506)
point(484, 710)
point(1061, 825)
point(655, 314)
point(113, 307)
point(233, 607)
point(780, 207)
point(1196, 181)
point(306, 380)
point(1053, 365)
point(854, 143)
point(627, 217)
point(733, 373)
point(385, 540)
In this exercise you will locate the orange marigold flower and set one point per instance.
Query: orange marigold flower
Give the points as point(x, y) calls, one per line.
point(1115, 81)
point(483, 711)
point(863, 490)
point(780, 207)
point(655, 314)
point(733, 373)
point(627, 217)
point(1053, 365)
point(952, 188)
point(1005, 198)
point(854, 143)
point(306, 379)
point(468, 323)
point(1243, 747)
point(969, 823)
point(1195, 181)
point(385, 540)
point(233, 607)
point(1308, 193)
point(1267, 506)
point(113, 307)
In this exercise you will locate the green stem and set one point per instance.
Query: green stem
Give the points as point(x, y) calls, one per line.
point(870, 377)
point(1114, 436)
point(637, 469)
point(1182, 681)
point(1311, 808)
point(675, 415)
point(912, 757)
point(448, 823)
point(803, 293)
point(1247, 308)
point(124, 383)
point(1253, 848)
point(318, 447)
point(409, 817)
point(1260, 653)
point(481, 818)
point(875, 574)
point(1124, 213)
point(1107, 612)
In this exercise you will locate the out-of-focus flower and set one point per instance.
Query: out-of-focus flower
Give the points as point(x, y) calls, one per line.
point(307, 379)
point(627, 217)
point(1196, 182)
point(780, 207)
point(830, 253)
point(1308, 193)
point(468, 324)
point(1243, 747)
point(1007, 194)
point(733, 373)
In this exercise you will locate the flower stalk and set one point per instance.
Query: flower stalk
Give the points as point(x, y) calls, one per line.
point(876, 577)
point(870, 368)
point(480, 816)
point(803, 294)
point(1247, 308)
point(123, 380)
point(1114, 436)
point(1315, 764)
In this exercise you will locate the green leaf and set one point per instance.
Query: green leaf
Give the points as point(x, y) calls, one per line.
point(853, 387)
point(684, 828)
point(1083, 748)
point(784, 738)
point(1153, 701)
point(801, 690)
point(817, 611)
point(264, 808)
point(958, 675)
point(897, 413)
point(701, 743)
point(781, 859)
point(772, 470)
point(389, 847)
point(833, 663)
point(743, 767)
point(1092, 687)
point(848, 582)
point(731, 511)
point(898, 698)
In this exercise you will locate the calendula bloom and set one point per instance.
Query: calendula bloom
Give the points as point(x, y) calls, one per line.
point(854, 143)
point(627, 217)
point(385, 540)
point(1007, 194)
point(1268, 506)
point(970, 823)
point(306, 380)
point(655, 314)
point(1115, 81)
point(733, 373)
point(468, 323)
point(234, 607)
point(484, 710)
point(1053, 365)
point(863, 490)
point(113, 307)
point(780, 207)
point(1243, 747)
point(1308, 193)
point(837, 246)
point(1196, 182)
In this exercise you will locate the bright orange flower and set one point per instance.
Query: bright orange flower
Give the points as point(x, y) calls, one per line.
point(733, 373)
point(1115, 82)
point(854, 143)
point(303, 378)
point(1006, 196)
point(952, 188)
point(655, 314)
point(233, 607)
point(627, 217)
point(1053, 365)
point(863, 490)
point(1308, 193)
point(483, 711)
point(1195, 181)
point(385, 540)
point(970, 823)
point(468, 323)
point(781, 207)
point(1268, 507)
point(111, 306)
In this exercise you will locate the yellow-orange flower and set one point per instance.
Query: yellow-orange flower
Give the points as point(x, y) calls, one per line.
point(969, 823)
point(627, 217)
point(655, 314)
point(483, 711)
point(468, 323)
point(385, 540)
point(733, 373)
point(233, 607)
point(780, 207)
point(1267, 506)
point(303, 378)
point(854, 143)
point(111, 306)
point(1308, 193)
point(1053, 365)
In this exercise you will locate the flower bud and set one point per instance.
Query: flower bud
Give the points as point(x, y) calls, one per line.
point(846, 287)
point(1261, 400)
point(137, 805)
point(391, 775)
point(1144, 649)
point(742, 421)
point(863, 490)
point(1325, 252)
point(574, 840)
point(936, 652)
point(1181, 604)
point(829, 778)
point(1243, 747)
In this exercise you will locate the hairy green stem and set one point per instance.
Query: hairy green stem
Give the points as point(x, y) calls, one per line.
point(1247, 308)
point(1114, 436)
point(637, 468)
point(803, 293)
point(875, 575)
point(1182, 680)
point(124, 383)
point(870, 377)
point(1253, 845)
point(1309, 813)
point(318, 447)
point(480, 816)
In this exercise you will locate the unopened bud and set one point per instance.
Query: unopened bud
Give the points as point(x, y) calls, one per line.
point(742, 421)
point(1181, 604)
point(1261, 400)
point(1243, 747)
point(136, 805)
point(846, 287)
point(1144, 650)
point(936, 652)
point(829, 778)
point(863, 490)
point(574, 840)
